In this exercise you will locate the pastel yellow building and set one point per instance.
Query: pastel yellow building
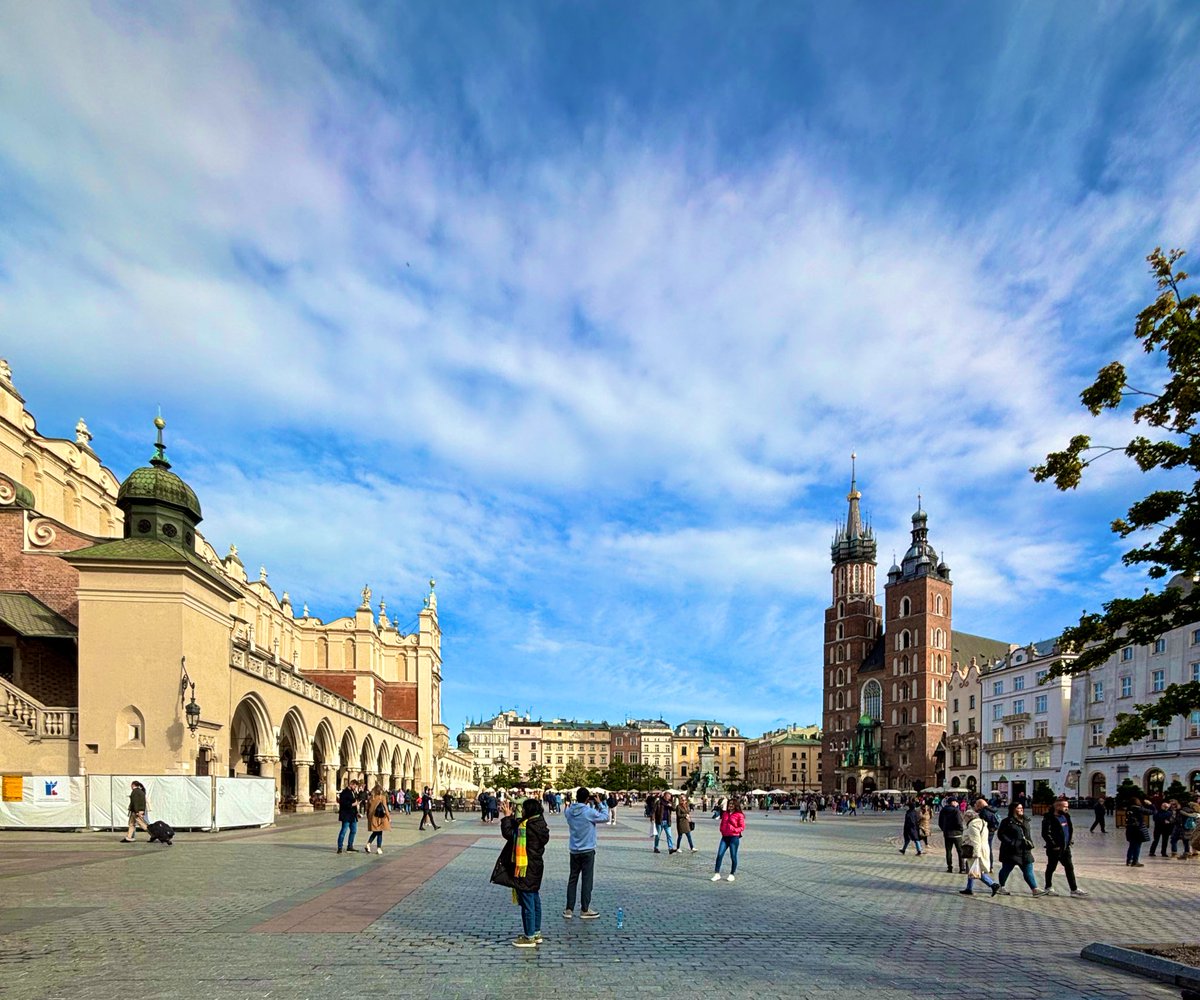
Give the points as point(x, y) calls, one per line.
point(128, 645)
point(730, 747)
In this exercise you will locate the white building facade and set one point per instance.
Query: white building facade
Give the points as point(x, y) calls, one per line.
point(1024, 723)
point(1137, 675)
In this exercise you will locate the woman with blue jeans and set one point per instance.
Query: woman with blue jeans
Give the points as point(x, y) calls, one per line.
point(521, 864)
point(1016, 849)
point(733, 825)
point(1136, 831)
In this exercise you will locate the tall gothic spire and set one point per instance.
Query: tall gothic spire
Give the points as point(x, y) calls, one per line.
point(854, 542)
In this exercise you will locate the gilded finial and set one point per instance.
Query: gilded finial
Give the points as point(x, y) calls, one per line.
point(160, 458)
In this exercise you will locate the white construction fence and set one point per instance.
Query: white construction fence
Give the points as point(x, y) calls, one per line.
point(101, 801)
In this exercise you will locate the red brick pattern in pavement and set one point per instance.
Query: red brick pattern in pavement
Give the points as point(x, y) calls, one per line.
point(355, 905)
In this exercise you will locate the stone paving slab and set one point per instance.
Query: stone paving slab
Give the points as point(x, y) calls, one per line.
point(826, 910)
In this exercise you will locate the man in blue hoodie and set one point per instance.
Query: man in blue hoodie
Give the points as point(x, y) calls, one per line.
point(583, 815)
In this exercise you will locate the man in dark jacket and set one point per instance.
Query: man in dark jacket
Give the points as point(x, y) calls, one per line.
point(348, 815)
point(912, 828)
point(988, 815)
point(427, 809)
point(1098, 813)
point(1058, 833)
point(664, 812)
point(951, 824)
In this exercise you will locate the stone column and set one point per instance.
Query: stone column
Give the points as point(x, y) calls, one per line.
point(303, 805)
point(330, 787)
point(267, 769)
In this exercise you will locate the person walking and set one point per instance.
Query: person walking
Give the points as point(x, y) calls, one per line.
point(347, 816)
point(950, 822)
point(683, 823)
point(925, 817)
point(733, 825)
point(427, 809)
point(379, 820)
point(912, 829)
point(1016, 848)
point(1058, 833)
point(521, 865)
point(664, 811)
point(977, 851)
point(582, 817)
point(986, 813)
point(1136, 830)
point(137, 812)
point(1098, 814)
point(612, 808)
point(448, 807)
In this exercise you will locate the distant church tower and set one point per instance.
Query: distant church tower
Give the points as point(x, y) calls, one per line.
point(853, 625)
point(917, 659)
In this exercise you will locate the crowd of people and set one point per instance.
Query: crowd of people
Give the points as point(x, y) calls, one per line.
point(977, 843)
point(521, 864)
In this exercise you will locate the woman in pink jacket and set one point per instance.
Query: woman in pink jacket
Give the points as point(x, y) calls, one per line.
point(733, 825)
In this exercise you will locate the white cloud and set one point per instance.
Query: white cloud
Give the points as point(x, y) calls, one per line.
point(600, 389)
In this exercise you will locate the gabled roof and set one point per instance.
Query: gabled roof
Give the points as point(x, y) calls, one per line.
point(28, 616)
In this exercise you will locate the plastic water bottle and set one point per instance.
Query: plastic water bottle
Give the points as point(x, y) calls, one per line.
point(620, 918)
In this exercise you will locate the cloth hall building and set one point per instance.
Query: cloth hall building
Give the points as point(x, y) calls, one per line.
point(129, 646)
point(888, 667)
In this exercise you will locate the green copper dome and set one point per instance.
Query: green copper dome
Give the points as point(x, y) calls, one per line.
point(157, 484)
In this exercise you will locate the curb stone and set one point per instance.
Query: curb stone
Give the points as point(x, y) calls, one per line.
point(1163, 969)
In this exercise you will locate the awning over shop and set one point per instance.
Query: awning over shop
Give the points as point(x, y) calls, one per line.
point(27, 616)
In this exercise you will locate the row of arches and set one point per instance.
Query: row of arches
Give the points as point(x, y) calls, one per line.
point(308, 763)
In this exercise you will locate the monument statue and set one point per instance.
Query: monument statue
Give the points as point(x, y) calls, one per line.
point(707, 736)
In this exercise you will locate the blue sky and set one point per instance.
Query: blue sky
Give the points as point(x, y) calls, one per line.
point(581, 308)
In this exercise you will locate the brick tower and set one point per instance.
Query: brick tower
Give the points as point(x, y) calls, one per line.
point(917, 599)
point(852, 627)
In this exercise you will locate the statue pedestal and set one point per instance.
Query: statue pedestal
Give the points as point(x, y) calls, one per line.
point(710, 778)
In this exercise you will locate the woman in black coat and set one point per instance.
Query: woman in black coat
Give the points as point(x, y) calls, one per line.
point(531, 833)
point(1136, 831)
point(912, 828)
point(1016, 848)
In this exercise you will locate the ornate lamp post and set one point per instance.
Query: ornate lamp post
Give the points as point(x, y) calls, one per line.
point(190, 708)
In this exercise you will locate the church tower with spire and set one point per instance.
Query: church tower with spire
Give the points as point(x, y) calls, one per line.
point(917, 599)
point(853, 625)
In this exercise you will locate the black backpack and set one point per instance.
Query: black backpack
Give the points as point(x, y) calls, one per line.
point(380, 811)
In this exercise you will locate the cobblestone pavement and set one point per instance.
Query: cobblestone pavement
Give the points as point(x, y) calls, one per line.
point(821, 910)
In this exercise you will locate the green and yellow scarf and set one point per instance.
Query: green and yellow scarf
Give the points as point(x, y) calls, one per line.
point(520, 855)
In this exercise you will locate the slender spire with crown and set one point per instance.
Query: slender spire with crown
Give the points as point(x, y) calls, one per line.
point(854, 542)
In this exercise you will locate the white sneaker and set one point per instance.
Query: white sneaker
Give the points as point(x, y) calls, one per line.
point(729, 878)
point(379, 850)
point(695, 850)
point(568, 914)
point(717, 877)
point(1051, 892)
point(1079, 892)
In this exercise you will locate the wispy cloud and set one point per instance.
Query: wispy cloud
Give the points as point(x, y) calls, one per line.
point(592, 348)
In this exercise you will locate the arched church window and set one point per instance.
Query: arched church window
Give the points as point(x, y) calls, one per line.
point(841, 655)
point(939, 605)
point(905, 639)
point(840, 631)
point(905, 607)
point(841, 611)
point(872, 699)
point(904, 716)
point(841, 701)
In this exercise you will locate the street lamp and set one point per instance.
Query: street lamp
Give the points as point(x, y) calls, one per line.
point(191, 709)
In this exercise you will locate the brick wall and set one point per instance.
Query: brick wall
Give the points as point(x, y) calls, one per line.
point(40, 573)
point(338, 681)
point(400, 704)
point(49, 671)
